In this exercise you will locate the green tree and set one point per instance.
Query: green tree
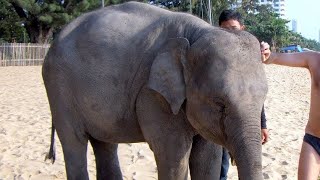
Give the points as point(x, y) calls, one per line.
point(248, 6)
point(11, 27)
point(41, 18)
point(295, 38)
point(200, 8)
point(267, 26)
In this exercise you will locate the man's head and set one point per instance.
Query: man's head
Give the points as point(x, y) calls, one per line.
point(230, 19)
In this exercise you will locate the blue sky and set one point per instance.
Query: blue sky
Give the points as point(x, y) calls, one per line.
point(307, 14)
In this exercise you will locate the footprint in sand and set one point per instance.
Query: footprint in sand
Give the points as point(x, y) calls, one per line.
point(268, 156)
point(134, 176)
point(3, 131)
point(266, 176)
point(284, 176)
point(140, 154)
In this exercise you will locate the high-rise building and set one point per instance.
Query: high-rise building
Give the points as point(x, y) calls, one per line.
point(294, 25)
point(279, 6)
point(319, 35)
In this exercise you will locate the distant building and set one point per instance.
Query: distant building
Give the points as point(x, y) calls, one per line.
point(279, 6)
point(319, 35)
point(294, 25)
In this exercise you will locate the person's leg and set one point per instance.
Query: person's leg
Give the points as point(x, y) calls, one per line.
point(309, 162)
point(224, 164)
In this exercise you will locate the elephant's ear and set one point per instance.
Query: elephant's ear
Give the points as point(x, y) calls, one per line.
point(167, 76)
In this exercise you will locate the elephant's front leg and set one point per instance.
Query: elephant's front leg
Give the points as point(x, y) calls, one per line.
point(205, 159)
point(169, 136)
point(172, 158)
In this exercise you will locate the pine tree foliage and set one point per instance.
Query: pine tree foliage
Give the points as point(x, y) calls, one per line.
point(42, 17)
point(11, 29)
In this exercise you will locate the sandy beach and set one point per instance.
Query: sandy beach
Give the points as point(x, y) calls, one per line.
point(25, 127)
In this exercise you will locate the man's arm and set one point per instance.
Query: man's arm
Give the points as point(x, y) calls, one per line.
point(287, 59)
point(290, 59)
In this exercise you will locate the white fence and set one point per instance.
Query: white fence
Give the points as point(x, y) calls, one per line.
point(22, 54)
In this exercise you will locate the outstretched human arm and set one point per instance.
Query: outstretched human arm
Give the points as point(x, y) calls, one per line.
point(291, 59)
point(287, 59)
point(301, 59)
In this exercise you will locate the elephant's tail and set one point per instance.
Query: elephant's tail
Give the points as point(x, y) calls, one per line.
point(52, 152)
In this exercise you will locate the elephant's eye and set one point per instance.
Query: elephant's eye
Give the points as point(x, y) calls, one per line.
point(218, 104)
point(221, 106)
point(218, 101)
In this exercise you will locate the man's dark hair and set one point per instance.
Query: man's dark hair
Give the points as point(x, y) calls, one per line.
point(229, 14)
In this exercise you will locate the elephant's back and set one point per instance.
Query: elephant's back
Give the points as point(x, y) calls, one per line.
point(119, 22)
point(99, 58)
point(109, 46)
point(120, 34)
point(114, 36)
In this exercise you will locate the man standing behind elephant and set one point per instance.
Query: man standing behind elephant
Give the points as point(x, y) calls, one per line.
point(232, 20)
point(309, 161)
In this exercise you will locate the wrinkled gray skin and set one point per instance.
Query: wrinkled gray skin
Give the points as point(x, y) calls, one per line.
point(138, 73)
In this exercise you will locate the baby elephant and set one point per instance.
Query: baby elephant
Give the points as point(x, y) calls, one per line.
point(138, 73)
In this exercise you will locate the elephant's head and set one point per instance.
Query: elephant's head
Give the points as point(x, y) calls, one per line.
point(221, 77)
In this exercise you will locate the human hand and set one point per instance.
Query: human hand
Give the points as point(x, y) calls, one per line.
point(265, 51)
point(264, 136)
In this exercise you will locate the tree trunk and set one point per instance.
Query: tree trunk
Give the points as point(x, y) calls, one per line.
point(201, 5)
point(210, 11)
point(39, 33)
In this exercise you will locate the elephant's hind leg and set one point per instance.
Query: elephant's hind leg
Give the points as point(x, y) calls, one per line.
point(67, 121)
point(73, 140)
point(107, 162)
point(74, 151)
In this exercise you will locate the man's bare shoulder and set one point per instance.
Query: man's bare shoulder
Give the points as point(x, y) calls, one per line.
point(313, 58)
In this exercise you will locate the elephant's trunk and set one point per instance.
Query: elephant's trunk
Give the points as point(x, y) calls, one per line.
point(246, 148)
point(249, 163)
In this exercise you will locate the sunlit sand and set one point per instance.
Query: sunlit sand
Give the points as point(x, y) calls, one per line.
point(25, 124)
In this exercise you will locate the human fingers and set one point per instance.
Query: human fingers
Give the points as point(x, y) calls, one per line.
point(264, 46)
point(264, 135)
